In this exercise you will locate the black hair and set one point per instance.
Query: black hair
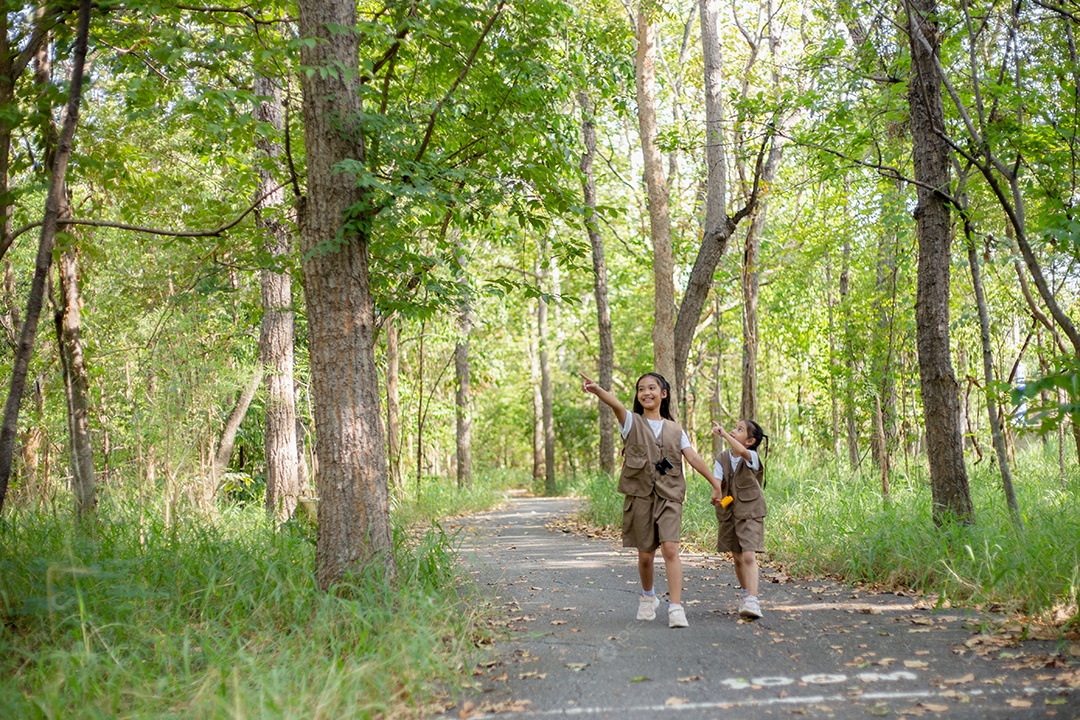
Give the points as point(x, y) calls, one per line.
point(665, 403)
point(754, 431)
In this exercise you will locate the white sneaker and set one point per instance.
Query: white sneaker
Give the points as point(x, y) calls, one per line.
point(676, 617)
point(750, 607)
point(646, 609)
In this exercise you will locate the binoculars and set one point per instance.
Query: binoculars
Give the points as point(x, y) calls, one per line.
point(663, 465)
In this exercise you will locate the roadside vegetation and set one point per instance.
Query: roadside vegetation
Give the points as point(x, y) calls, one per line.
point(824, 522)
point(219, 616)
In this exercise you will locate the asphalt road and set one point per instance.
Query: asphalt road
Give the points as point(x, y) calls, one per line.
point(568, 643)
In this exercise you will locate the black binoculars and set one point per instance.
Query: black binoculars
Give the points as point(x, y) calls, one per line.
point(663, 465)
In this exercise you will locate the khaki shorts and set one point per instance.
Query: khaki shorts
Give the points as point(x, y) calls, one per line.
point(739, 534)
point(649, 521)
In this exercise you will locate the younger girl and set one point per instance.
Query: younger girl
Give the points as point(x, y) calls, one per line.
point(742, 521)
point(654, 485)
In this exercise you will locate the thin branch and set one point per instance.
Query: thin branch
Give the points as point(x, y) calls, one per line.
point(216, 232)
point(461, 77)
point(246, 12)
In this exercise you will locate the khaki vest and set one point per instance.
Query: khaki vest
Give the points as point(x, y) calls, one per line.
point(745, 486)
point(642, 451)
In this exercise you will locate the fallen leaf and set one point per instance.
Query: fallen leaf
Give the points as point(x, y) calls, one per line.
point(577, 667)
point(641, 678)
point(916, 664)
point(676, 701)
point(558, 622)
point(692, 678)
point(885, 662)
point(532, 674)
point(970, 677)
point(1055, 701)
point(466, 708)
point(1018, 703)
point(933, 707)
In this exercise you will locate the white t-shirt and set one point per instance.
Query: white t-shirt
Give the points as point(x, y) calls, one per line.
point(657, 426)
point(755, 464)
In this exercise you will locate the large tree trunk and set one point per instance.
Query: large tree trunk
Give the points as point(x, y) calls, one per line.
point(43, 262)
point(461, 368)
point(276, 339)
point(663, 332)
point(354, 512)
point(940, 395)
point(600, 287)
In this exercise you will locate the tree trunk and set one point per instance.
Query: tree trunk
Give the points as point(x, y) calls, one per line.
point(76, 384)
point(989, 380)
point(600, 287)
point(849, 359)
point(67, 317)
point(461, 368)
point(941, 401)
point(354, 513)
point(834, 364)
point(43, 262)
point(547, 409)
point(227, 442)
point(393, 402)
point(663, 332)
point(751, 256)
point(718, 225)
point(276, 334)
point(537, 405)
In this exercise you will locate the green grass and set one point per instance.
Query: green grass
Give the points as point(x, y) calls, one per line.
point(822, 522)
point(209, 619)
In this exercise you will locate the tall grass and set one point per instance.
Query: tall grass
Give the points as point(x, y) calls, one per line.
point(220, 618)
point(826, 522)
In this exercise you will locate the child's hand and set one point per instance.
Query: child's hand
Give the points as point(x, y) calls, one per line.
point(588, 385)
point(715, 499)
point(718, 429)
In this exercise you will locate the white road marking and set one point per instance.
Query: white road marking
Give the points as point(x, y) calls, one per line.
point(767, 702)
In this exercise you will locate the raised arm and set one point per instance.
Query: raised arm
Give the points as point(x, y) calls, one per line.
point(737, 448)
point(606, 397)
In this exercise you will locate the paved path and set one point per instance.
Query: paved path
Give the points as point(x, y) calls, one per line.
point(569, 643)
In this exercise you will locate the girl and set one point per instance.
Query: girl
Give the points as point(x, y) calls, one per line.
point(742, 520)
point(654, 485)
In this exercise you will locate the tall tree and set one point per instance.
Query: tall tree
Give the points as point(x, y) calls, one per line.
point(47, 239)
point(600, 282)
point(335, 219)
point(462, 413)
point(663, 332)
point(277, 331)
point(931, 154)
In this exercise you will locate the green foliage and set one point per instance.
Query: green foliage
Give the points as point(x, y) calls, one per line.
point(128, 616)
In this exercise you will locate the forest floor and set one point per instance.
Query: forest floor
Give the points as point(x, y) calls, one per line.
point(568, 643)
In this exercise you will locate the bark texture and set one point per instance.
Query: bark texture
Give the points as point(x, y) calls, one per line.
point(940, 393)
point(354, 517)
point(600, 283)
point(47, 239)
point(663, 333)
point(277, 332)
